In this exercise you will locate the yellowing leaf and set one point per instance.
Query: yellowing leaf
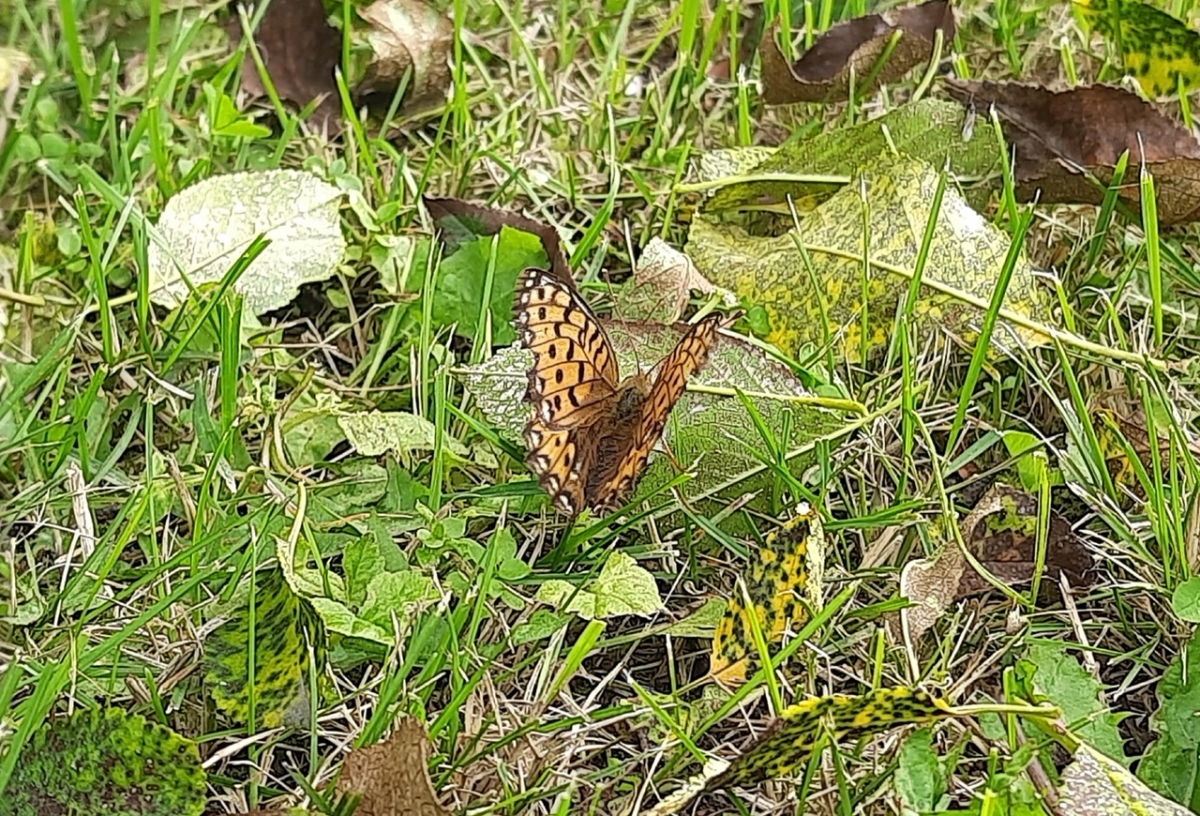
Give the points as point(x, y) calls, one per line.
point(966, 256)
point(788, 568)
point(1093, 783)
point(1159, 51)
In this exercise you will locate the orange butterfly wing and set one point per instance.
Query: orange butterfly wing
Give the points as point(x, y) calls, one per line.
point(575, 368)
point(689, 356)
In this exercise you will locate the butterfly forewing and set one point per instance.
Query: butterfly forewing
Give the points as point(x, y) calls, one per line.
point(574, 368)
point(688, 356)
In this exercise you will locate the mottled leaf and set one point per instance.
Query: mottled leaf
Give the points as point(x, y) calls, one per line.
point(710, 434)
point(1160, 51)
point(106, 761)
point(933, 130)
point(789, 741)
point(280, 633)
point(852, 49)
point(392, 777)
point(206, 227)
point(786, 574)
point(662, 283)
point(374, 433)
point(1095, 784)
point(966, 256)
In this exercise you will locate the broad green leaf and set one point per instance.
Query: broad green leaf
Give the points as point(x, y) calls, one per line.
point(281, 657)
point(339, 618)
point(1169, 765)
point(966, 255)
point(1159, 50)
point(207, 226)
point(1070, 686)
point(400, 261)
point(106, 761)
point(920, 779)
point(541, 624)
point(398, 593)
point(1185, 601)
point(311, 429)
point(361, 562)
point(621, 588)
point(374, 433)
point(930, 129)
point(462, 277)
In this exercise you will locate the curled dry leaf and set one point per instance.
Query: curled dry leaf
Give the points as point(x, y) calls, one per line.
point(407, 36)
point(662, 282)
point(853, 48)
point(460, 221)
point(392, 777)
point(1059, 136)
point(300, 50)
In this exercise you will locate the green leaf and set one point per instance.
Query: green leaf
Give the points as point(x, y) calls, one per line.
point(541, 624)
point(1068, 684)
point(461, 282)
point(374, 433)
point(361, 561)
point(621, 588)
point(339, 618)
point(399, 593)
point(106, 761)
point(1185, 601)
point(281, 657)
point(919, 777)
point(1169, 765)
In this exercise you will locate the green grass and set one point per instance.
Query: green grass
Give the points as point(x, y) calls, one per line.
point(145, 468)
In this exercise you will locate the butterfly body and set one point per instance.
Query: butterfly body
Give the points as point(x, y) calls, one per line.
point(590, 433)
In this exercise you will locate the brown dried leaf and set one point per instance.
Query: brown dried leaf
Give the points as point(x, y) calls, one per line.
point(1057, 136)
point(854, 46)
point(300, 50)
point(461, 221)
point(408, 35)
point(1001, 532)
point(393, 776)
point(1004, 540)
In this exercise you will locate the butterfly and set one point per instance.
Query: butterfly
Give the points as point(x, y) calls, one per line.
point(590, 432)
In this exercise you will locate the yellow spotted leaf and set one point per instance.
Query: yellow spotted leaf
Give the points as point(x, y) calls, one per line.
point(788, 570)
point(283, 624)
point(1161, 52)
point(837, 301)
point(789, 742)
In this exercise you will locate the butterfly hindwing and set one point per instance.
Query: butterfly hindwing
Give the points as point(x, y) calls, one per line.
point(688, 356)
